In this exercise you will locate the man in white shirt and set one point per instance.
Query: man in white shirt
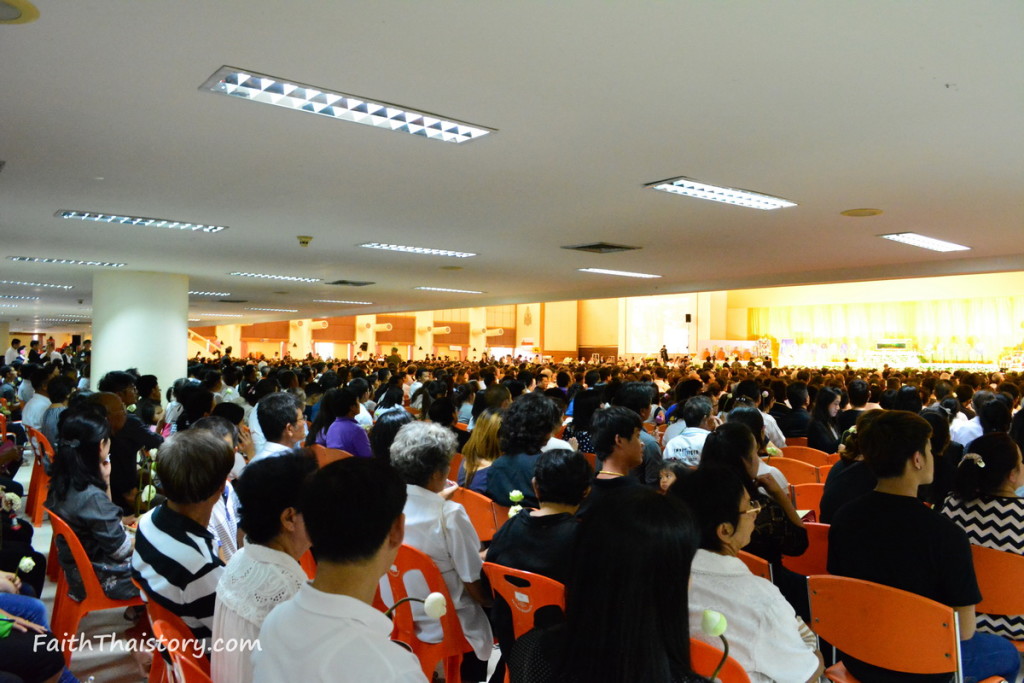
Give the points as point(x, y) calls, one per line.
point(12, 353)
point(330, 631)
point(281, 419)
point(32, 413)
point(964, 432)
point(689, 443)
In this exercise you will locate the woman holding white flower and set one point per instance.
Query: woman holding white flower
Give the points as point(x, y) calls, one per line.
point(80, 495)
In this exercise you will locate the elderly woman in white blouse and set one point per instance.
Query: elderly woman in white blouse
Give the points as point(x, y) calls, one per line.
point(266, 570)
point(422, 453)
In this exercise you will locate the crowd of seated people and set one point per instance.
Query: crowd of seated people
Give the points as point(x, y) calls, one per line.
point(236, 493)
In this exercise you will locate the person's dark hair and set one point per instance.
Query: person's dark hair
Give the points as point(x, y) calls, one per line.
point(908, 398)
point(562, 379)
point(116, 381)
point(494, 397)
point(193, 465)
point(891, 439)
point(994, 416)
point(988, 461)
point(358, 387)
point(562, 476)
point(219, 427)
point(384, 431)
point(859, 393)
point(260, 389)
point(276, 412)
point(643, 544)
point(527, 424)
point(442, 411)
point(636, 396)
point(714, 496)
point(76, 462)
point(211, 378)
point(729, 447)
point(940, 432)
point(420, 450)
point(826, 396)
point(334, 404)
point(591, 378)
point(266, 489)
point(428, 393)
point(695, 410)
point(392, 396)
point(942, 389)
point(514, 386)
point(232, 412)
point(145, 410)
point(585, 405)
point(979, 399)
point(353, 488)
point(753, 419)
point(196, 403)
point(59, 388)
point(608, 423)
point(796, 394)
point(145, 385)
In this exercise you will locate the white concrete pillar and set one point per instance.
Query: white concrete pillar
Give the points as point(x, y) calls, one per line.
point(300, 337)
point(365, 332)
point(140, 320)
point(231, 335)
point(424, 340)
point(477, 332)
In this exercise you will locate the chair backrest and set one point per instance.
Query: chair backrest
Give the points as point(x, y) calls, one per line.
point(500, 513)
point(325, 456)
point(756, 565)
point(815, 559)
point(704, 659)
point(795, 471)
point(806, 454)
point(592, 459)
point(410, 559)
point(823, 472)
point(999, 574)
point(525, 593)
point(479, 509)
point(308, 564)
point(40, 444)
point(453, 469)
point(796, 440)
point(187, 668)
point(90, 581)
point(885, 626)
point(807, 497)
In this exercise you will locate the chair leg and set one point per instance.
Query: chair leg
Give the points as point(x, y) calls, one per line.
point(452, 669)
point(71, 619)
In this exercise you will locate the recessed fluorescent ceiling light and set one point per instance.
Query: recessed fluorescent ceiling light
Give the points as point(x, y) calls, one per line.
point(289, 278)
point(72, 315)
point(445, 289)
point(222, 315)
point(193, 320)
point(915, 240)
point(620, 273)
point(11, 296)
point(727, 195)
point(66, 261)
point(9, 305)
point(274, 310)
point(139, 220)
point(209, 293)
point(418, 250)
point(35, 284)
point(342, 301)
point(255, 87)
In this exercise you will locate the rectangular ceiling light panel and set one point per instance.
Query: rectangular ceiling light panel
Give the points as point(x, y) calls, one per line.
point(342, 301)
point(255, 87)
point(197, 293)
point(268, 276)
point(726, 195)
point(11, 296)
point(66, 261)
point(139, 220)
point(915, 240)
point(48, 285)
point(620, 273)
point(417, 250)
point(445, 289)
point(274, 310)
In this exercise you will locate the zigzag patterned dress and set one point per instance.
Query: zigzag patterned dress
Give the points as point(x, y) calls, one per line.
point(993, 522)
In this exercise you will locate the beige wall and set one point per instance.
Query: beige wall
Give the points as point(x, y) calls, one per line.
point(597, 322)
point(560, 325)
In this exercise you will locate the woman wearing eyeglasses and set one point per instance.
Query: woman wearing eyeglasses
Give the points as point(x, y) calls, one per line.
point(766, 636)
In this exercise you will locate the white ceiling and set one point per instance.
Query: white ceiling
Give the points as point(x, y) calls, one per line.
point(911, 107)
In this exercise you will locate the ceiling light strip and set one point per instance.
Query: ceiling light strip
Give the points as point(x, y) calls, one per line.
point(273, 310)
point(255, 87)
point(446, 289)
point(139, 220)
point(342, 301)
point(620, 273)
point(48, 285)
point(209, 293)
point(716, 193)
point(417, 250)
point(222, 315)
point(11, 296)
point(66, 261)
point(916, 240)
point(268, 276)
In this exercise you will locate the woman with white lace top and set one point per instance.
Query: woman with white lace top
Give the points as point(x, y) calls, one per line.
point(265, 571)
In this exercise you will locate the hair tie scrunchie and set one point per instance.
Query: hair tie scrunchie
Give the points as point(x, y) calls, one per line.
point(975, 458)
point(73, 443)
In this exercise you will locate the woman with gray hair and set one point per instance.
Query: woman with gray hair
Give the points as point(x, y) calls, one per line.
point(422, 453)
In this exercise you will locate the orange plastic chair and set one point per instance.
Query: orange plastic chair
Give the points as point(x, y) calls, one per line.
point(525, 593)
point(796, 441)
point(795, 471)
point(823, 472)
point(756, 565)
point(40, 482)
point(68, 613)
point(592, 459)
point(885, 626)
point(811, 456)
point(704, 658)
point(998, 573)
point(479, 509)
point(325, 456)
point(158, 612)
point(186, 666)
point(500, 513)
point(462, 427)
point(453, 643)
point(308, 564)
point(807, 497)
point(453, 469)
point(815, 559)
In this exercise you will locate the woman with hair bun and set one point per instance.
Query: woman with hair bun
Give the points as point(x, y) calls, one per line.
point(984, 503)
point(80, 495)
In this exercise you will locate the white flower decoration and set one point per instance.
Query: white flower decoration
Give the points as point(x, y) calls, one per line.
point(515, 495)
point(713, 623)
point(514, 510)
point(435, 606)
point(26, 565)
point(12, 502)
point(148, 493)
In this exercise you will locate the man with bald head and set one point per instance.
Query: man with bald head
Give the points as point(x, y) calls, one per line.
point(128, 435)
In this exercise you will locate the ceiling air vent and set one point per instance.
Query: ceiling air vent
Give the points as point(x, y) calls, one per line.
point(351, 283)
point(600, 247)
point(234, 301)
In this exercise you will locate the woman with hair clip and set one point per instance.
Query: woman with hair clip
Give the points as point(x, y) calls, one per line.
point(80, 495)
point(763, 400)
point(985, 504)
point(627, 609)
point(822, 430)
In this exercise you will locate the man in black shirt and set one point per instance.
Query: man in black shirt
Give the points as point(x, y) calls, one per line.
point(859, 394)
point(615, 433)
point(794, 423)
point(889, 537)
